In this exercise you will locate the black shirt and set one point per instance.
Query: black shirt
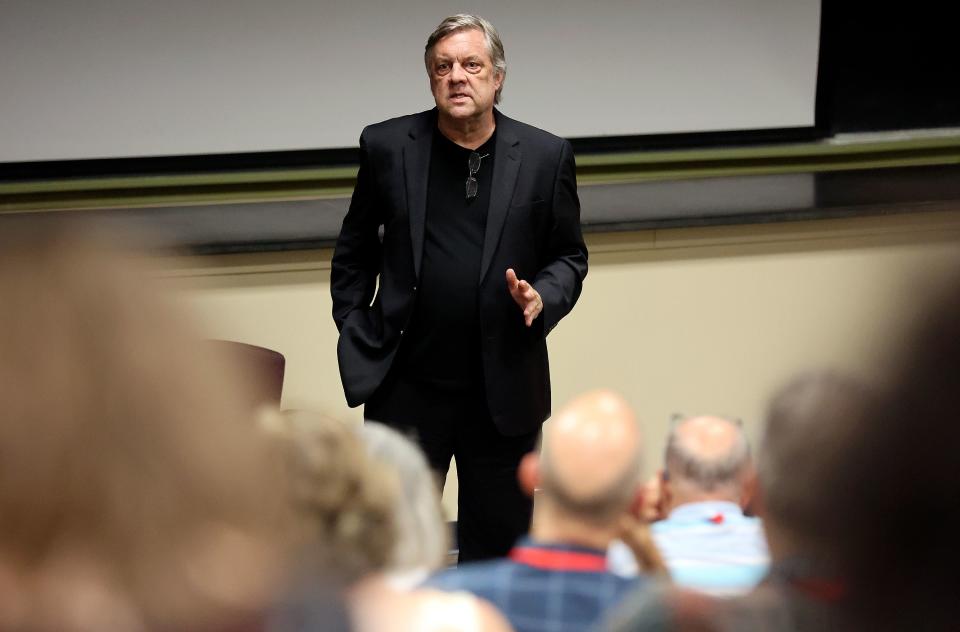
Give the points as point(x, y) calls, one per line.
point(442, 343)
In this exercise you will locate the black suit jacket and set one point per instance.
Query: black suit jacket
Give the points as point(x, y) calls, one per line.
point(533, 226)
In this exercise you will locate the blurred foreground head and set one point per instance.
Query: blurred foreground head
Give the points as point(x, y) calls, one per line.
point(903, 478)
point(422, 538)
point(342, 498)
point(345, 485)
point(867, 483)
point(135, 492)
point(813, 423)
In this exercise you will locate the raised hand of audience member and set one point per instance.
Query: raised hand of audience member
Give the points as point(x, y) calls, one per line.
point(635, 533)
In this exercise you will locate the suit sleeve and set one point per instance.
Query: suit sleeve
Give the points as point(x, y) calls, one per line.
point(357, 256)
point(559, 282)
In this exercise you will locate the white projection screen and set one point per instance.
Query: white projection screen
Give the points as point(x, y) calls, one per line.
point(112, 78)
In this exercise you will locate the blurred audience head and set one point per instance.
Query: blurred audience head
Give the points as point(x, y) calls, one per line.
point(707, 458)
point(902, 478)
point(342, 499)
point(345, 495)
point(590, 463)
point(422, 540)
point(135, 493)
point(812, 423)
point(860, 492)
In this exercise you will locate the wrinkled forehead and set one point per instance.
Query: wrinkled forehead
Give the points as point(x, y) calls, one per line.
point(462, 44)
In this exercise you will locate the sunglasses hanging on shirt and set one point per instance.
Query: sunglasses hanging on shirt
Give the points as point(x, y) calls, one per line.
point(473, 164)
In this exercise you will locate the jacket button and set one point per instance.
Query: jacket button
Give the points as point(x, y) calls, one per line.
point(401, 332)
point(414, 288)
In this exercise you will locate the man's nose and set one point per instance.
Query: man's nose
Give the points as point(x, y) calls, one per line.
point(457, 73)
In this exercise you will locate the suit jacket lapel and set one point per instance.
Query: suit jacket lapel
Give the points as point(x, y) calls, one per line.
point(416, 167)
point(506, 166)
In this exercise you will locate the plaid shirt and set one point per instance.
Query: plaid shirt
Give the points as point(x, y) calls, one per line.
point(543, 587)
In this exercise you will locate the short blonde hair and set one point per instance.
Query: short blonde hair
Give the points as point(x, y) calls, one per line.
point(342, 499)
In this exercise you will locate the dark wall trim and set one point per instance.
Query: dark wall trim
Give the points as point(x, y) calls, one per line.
point(609, 207)
point(167, 165)
point(348, 156)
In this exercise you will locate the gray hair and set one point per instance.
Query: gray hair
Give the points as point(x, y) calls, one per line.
point(422, 535)
point(810, 426)
point(463, 22)
point(707, 474)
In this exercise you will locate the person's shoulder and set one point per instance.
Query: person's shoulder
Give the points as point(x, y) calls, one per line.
point(629, 581)
point(621, 586)
point(754, 522)
point(452, 611)
point(398, 126)
point(666, 525)
point(471, 577)
point(647, 608)
point(528, 134)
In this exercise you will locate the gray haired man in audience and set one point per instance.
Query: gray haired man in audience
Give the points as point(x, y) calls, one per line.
point(587, 474)
point(707, 542)
point(813, 426)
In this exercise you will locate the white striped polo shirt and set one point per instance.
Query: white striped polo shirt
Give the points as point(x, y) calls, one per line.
point(708, 546)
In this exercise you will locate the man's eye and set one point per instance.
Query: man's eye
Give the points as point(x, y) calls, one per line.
point(442, 69)
point(473, 65)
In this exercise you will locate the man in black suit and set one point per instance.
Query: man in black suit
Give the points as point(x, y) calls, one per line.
point(471, 222)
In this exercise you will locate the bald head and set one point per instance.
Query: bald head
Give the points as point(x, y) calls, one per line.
point(706, 458)
point(590, 459)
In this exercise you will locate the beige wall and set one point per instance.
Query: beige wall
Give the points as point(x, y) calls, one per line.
point(683, 320)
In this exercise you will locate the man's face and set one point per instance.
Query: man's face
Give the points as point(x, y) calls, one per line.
point(462, 77)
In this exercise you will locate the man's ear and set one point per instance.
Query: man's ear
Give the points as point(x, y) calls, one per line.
point(636, 505)
point(750, 492)
point(666, 493)
point(528, 474)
